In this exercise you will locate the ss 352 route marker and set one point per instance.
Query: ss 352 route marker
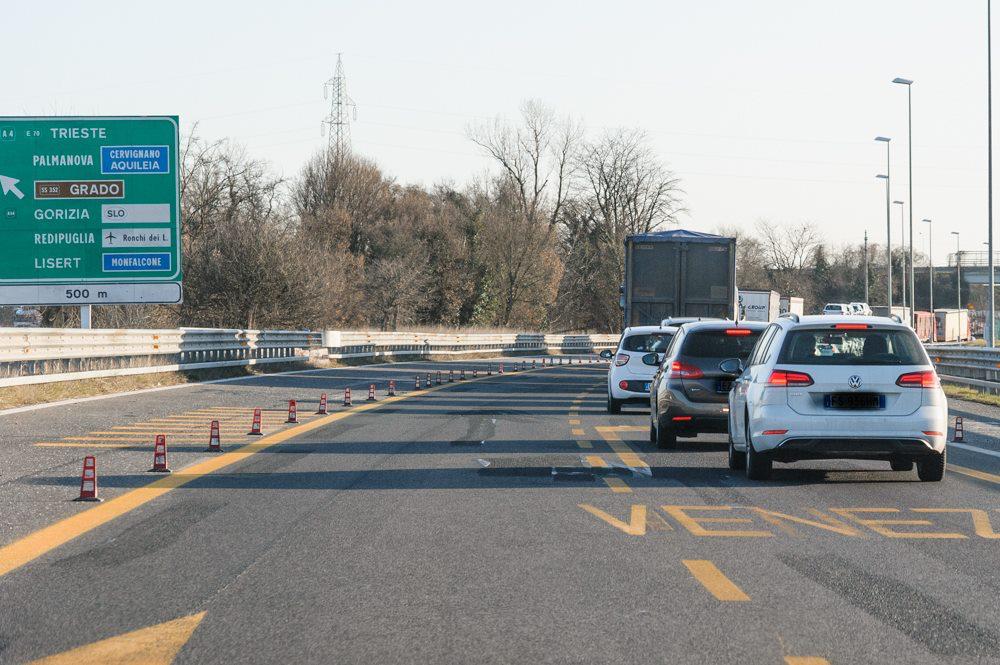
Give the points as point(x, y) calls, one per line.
point(89, 210)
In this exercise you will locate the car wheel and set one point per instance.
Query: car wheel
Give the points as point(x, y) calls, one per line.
point(736, 458)
point(931, 468)
point(666, 437)
point(901, 464)
point(758, 465)
point(614, 405)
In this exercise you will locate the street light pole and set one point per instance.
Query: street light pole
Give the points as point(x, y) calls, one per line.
point(866, 266)
point(958, 268)
point(930, 262)
point(902, 242)
point(990, 335)
point(888, 224)
point(909, 138)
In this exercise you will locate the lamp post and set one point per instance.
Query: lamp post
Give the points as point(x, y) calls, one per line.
point(930, 262)
point(990, 334)
point(902, 242)
point(909, 151)
point(888, 225)
point(866, 266)
point(958, 268)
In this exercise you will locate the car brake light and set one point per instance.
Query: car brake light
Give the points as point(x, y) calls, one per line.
point(782, 377)
point(681, 418)
point(738, 332)
point(851, 326)
point(679, 370)
point(933, 433)
point(621, 359)
point(924, 379)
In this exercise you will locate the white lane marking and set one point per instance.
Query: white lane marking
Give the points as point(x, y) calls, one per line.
point(975, 449)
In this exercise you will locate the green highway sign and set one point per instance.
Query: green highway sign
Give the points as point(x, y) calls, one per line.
point(89, 210)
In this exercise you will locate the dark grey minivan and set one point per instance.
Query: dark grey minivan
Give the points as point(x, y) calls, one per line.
point(690, 392)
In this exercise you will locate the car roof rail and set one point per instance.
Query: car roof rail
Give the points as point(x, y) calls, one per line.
point(895, 317)
point(789, 315)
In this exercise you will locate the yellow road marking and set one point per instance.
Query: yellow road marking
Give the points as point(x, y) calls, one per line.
point(975, 473)
point(806, 660)
point(714, 580)
point(596, 460)
point(574, 421)
point(153, 645)
point(584, 444)
point(577, 431)
point(46, 539)
point(625, 453)
point(617, 485)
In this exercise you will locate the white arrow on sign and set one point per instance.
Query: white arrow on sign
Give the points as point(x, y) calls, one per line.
point(9, 184)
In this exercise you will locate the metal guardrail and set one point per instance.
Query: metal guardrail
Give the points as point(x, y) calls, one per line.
point(45, 355)
point(973, 366)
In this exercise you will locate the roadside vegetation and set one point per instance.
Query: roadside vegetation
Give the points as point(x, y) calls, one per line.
point(970, 395)
point(535, 243)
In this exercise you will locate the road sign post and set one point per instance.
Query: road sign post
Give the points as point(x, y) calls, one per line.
point(89, 210)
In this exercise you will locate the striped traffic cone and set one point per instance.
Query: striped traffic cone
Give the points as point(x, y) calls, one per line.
point(88, 480)
point(214, 441)
point(160, 455)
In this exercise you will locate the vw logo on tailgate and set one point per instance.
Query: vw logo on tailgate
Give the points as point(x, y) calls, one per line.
point(854, 381)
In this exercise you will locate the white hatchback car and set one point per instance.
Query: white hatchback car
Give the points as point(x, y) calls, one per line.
point(837, 309)
point(846, 387)
point(634, 364)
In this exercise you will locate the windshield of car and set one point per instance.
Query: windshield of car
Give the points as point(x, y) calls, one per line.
point(647, 342)
point(720, 344)
point(852, 347)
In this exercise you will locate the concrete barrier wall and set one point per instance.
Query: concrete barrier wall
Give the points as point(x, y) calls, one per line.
point(43, 355)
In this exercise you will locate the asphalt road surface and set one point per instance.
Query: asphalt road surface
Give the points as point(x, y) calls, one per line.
point(502, 519)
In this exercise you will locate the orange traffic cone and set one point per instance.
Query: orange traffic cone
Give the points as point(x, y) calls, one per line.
point(293, 412)
point(214, 442)
point(255, 426)
point(160, 455)
point(88, 480)
point(322, 405)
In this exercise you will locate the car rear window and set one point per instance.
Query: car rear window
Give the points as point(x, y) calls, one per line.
point(852, 347)
point(647, 342)
point(719, 344)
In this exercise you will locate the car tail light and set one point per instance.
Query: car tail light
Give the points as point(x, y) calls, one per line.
point(782, 377)
point(621, 359)
point(738, 332)
point(851, 326)
point(925, 379)
point(679, 370)
point(774, 431)
point(678, 419)
point(933, 433)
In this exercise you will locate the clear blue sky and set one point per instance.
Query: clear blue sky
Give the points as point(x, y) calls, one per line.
point(765, 109)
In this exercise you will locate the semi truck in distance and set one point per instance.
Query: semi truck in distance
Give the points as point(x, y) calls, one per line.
point(678, 273)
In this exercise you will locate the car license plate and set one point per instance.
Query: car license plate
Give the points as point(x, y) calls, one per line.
point(857, 401)
point(645, 387)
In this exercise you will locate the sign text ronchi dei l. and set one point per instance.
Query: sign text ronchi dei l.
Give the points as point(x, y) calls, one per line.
point(89, 210)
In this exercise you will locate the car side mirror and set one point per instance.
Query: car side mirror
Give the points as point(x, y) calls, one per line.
point(651, 359)
point(732, 366)
point(606, 354)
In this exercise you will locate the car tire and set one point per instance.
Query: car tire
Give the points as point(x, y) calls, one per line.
point(931, 468)
point(758, 465)
point(901, 464)
point(736, 458)
point(666, 437)
point(614, 405)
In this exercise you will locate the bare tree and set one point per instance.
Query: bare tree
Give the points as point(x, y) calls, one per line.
point(537, 157)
